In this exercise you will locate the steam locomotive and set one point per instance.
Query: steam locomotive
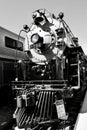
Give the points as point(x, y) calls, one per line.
point(54, 75)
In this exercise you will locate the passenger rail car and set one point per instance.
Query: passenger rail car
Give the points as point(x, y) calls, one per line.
point(10, 50)
point(51, 94)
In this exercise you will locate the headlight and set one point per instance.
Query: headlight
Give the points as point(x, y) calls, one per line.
point(34, 38)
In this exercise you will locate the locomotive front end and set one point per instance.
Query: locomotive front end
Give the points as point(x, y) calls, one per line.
point(52, 91)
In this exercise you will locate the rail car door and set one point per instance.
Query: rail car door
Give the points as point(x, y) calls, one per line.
point(8, 72)
point(8, 75)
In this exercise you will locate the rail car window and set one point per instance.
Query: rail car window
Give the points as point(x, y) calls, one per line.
point(14, 44)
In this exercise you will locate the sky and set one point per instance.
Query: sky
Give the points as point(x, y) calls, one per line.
point(15, 13)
